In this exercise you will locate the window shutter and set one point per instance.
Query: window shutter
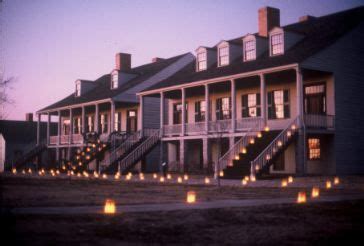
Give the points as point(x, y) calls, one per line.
point(286, 104)
point(244, 104)
point(270, 105)
point(286, 96)
point(197, 111)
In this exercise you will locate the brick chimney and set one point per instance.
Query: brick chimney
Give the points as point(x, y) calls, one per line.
point(268, 18)
point(29, 117)
point(157, 59)
point(123, 62)
point(306, 18)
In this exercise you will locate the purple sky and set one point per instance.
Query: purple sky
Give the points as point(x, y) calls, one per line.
point(48, 44)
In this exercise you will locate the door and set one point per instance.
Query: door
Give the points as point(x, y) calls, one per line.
point(131, 121)
point(315, 99)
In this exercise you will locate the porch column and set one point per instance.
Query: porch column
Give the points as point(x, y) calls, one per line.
point(83, 120)
point(48, 128)
point(207, 113)
point(59, 127)
point(182, 154)
point(206, 153)
point(38, 128)
point(162, 112)
point(141, 112)
point(96, 125)
point(263, 101)
point(183, 128)
point(233, 106)
point(70, 136)
point(112, 117)
point(299, 92)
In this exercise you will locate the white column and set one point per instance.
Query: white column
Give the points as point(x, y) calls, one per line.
point(83, 120)
point(233, 106)
point(206, 149)
point(48, 128)
point(141, 113)
point(183, 112)
point(96, 125)
point(38, 129)
point(70, 137)
point(299, 92)
point(59, 127)
point(162, 110)
point(263, 101)
point(207, 113)
point(112, 117)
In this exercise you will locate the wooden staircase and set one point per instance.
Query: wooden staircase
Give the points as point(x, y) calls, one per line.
point(259, 152)
point(31, 154)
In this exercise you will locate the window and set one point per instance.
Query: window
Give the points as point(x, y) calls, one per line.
point(78, 88)
point(278, 104)
point(224, 56)
point(104, 123)
point(315, 99)
point(90, 123)
point(114, 81)
point(77, 125)
point(314, 150)
point(250, 105)
point(201, 61)
point(249, 50)
point(223, 108)
point(277, 44)
point(177, 113)
point(200, 111)
point(117, 124)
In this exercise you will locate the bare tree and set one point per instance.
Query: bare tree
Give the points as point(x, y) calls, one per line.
point(5, 86)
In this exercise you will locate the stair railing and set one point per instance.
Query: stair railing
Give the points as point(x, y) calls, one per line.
point(153, 138)
point(280, 141)
point(238, 147)
point(125, 146)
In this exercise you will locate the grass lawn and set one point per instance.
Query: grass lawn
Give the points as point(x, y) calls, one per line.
point(318, 223)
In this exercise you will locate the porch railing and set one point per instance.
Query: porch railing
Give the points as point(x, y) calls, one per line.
point(279, 142)
point(77, 138)
point(195, 128)
point(220, 126)
point(249, 123)
point(64, 139)
point(319, 121)
point(172, 129)
point(53, 140)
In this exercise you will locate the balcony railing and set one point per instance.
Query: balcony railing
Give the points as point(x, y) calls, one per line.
point(65, 139)
point(195, 128)
point(254, 123)
point(319, 121)
point(220, 126)
point(76, 139)
point(172, 129)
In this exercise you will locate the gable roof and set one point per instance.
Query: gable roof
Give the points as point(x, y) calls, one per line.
point(102, 89)
point(318, 33)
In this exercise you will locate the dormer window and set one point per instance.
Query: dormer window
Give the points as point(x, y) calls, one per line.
point(201, 61)
point(114, 81)
point(276, 41)
point(249, 50)
point(78, 89)
point(223, 56)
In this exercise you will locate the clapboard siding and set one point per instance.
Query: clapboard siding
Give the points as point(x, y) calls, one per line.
point(345, 58)
point(151, 112)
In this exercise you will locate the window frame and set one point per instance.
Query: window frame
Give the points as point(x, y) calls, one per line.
point(203, 61)
point(250, 50)
point(114, 83)
point(324, 93)
point(271, 45)
point(285, 104)
point(175, 111)
point(245, 110)
point(225, 56)
point(78, 89)
point(314, 153)
point(219, 112)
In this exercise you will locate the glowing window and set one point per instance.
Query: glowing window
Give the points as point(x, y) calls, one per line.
point(249, 50)
point(314, 150)
point(277, 44)
point(201, 61)
point(223, 56)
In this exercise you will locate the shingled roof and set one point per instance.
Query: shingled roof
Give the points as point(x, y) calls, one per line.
point(102, 89)
point(318, 33)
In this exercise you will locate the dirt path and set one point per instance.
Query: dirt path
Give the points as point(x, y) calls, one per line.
point(140, 208)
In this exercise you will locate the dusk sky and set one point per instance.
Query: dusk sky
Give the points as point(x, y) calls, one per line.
point(48, 44)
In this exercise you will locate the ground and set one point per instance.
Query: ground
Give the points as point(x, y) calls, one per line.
point(311, 223)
